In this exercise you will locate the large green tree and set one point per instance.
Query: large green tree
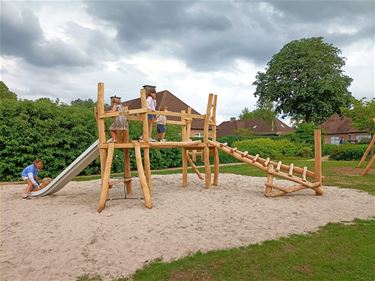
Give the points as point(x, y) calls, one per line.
point(305, 81)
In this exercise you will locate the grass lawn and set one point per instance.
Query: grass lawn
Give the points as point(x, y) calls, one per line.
point(335, 252)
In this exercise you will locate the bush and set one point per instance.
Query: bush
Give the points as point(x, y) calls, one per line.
point(348, 152)
point(328, 149)
point(275, 149)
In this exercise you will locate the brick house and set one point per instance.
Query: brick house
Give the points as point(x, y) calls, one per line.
point(339, 129)
point(172, 103)
point(256, 126)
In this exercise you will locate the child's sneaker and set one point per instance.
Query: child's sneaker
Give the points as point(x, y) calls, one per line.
point(163, 140)
point(151, 140)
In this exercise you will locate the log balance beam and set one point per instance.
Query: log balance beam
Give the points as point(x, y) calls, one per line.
point(208, 146)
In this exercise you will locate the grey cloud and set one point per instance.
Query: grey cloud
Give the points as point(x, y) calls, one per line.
point(210, 35)
point(22, 36)
point(315, 10)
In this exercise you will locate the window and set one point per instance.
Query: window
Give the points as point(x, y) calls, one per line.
point(358, 138)
point(335, 140)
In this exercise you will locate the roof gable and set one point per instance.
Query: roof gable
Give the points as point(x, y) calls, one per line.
point(172, 103)
point(257, 126)
point(339, 125)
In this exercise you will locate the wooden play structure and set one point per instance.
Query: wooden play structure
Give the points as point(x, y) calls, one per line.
point(363, 159)
point(302, 177)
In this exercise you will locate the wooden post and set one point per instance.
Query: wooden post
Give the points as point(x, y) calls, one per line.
point(268, 190)
point(188, 123)
point(101, 128)
point(184, 150)
point(144, 115)
point(215, 150)
point(127, 167)
point(142, 177)
point(105, 179)
point(318, 161)
point(206, 150)
point(216, 166)
point(146, 160)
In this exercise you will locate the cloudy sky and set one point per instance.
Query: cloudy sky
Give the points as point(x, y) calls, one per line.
point(62, 49)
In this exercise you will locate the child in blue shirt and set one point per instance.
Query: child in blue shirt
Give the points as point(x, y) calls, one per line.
point(30, 175)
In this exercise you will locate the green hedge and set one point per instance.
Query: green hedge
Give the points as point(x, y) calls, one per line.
point(348, 151)
point(58, 134)
point(275, 149)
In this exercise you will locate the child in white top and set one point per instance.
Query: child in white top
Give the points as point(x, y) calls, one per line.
point(151, 105)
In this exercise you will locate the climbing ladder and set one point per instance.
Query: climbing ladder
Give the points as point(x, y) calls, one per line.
point(276, 169)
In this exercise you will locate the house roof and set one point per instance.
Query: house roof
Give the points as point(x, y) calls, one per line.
point(257, 126)
point(339, 125)
point(172, 103)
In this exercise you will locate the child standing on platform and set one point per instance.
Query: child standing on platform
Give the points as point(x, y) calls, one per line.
point(161, 123)
point(151, 105)
point(121, 122)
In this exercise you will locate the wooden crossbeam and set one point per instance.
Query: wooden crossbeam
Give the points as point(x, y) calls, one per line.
point(194, 167)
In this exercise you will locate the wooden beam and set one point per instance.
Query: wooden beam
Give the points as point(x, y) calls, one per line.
point(142, 177)
point(269, 182)
point(368, 149)
point(369, 165)
point(171, 144)
point(184, 167)
point(216, 166)
point(178, 114)
point(188, 124)
point(127, 165)
point(101, 128)
point(194, 167)
point(147, 165)
point(206, 150)
point(144, 115)
point(105, 178)
point(318, 160)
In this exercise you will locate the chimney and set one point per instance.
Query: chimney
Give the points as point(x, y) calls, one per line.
point(233, 119)
point(149, 88)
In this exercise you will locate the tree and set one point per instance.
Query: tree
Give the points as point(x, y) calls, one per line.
point(260, 113)
point(5, 93)
point(362, 114)
point(305, 81)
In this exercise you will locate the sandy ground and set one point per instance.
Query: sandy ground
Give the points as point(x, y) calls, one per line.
point(60, 237)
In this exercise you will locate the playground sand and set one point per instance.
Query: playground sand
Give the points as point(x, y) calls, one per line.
point(61, 237)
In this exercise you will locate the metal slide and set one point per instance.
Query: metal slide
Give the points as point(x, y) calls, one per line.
point(71, 171)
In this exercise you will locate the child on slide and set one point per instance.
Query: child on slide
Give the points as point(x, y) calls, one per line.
point(30, 175)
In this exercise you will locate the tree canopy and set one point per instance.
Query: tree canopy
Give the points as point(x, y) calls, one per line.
point(362, 114)
point(5, 93)
point(260, 113)
point(305, 81)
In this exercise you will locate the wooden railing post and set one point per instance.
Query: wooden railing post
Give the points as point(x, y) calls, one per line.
point(318, 161)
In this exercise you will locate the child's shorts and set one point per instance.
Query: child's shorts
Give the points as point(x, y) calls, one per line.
point(150, 116)
point(160, 128)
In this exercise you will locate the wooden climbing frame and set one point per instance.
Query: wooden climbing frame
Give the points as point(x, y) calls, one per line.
point(206, 147)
